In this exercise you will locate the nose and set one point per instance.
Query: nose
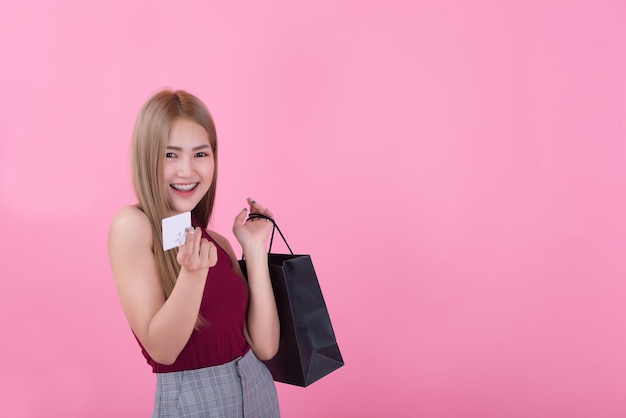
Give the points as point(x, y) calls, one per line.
point(184, 167)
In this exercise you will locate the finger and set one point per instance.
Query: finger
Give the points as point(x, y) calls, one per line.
point(263, 210)
point(197, 236)
point(205, 245)
point(192, 246)
point(188, 245)
point(185, 250)
point(212, 254)
point(241, 217)
point(255, 207)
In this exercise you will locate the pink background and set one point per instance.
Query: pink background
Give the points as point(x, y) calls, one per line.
point(457, 170)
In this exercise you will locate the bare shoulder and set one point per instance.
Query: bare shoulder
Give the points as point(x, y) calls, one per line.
point(130, 236)
point(130, 224)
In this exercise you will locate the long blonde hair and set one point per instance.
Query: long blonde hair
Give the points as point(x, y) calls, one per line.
point(149, 142)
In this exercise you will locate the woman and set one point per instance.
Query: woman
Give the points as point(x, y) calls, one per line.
point(200, 325)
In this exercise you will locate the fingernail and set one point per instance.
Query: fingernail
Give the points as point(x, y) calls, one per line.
point(245, 209)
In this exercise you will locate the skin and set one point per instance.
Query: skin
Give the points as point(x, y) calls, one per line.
point(164, 326)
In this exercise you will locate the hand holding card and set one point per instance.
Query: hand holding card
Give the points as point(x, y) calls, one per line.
point(175, 230)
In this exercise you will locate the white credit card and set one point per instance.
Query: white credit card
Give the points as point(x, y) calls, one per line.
point(175, 230)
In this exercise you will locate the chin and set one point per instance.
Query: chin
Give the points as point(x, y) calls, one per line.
point(180, 204)
point(182, 207)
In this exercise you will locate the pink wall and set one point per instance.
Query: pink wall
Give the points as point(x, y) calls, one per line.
point(457, 171)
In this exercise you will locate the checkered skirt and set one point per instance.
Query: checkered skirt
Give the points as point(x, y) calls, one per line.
point(242, 388)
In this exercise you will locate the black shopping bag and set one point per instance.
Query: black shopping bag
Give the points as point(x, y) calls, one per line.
point(308, 348)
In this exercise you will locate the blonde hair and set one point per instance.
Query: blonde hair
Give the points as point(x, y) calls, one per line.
point(149, 142)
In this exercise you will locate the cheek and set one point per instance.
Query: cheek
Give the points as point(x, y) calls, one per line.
point(209, 170)
point(168, 173)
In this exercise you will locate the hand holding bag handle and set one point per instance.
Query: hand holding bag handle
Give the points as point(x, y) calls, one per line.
point(276, 228)
point(308, 348)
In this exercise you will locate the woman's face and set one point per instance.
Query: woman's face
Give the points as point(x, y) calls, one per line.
point(188, 167)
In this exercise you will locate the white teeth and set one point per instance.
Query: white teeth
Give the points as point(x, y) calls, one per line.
point(184, 187)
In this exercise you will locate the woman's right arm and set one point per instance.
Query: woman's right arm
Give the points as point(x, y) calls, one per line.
point(162, 326)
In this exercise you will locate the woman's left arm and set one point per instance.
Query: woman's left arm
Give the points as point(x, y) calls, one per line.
point(262, 325)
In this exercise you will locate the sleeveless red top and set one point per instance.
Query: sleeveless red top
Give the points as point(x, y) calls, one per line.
point(223, 307)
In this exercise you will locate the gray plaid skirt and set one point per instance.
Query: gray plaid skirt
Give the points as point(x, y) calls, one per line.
point(243, 388)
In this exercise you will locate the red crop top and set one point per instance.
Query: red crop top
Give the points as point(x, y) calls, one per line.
point(223, 307)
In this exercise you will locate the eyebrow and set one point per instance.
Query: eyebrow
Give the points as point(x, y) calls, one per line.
point(199, 147)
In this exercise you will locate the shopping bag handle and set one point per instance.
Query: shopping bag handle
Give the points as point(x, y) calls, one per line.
point(276, 228)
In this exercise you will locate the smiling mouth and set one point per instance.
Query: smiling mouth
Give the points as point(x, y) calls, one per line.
point(184, 187)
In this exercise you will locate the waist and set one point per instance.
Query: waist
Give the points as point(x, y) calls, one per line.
point(201, 352)
point(227, 368)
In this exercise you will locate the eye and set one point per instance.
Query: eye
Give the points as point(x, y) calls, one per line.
point(202, 154)
point(170, 155)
